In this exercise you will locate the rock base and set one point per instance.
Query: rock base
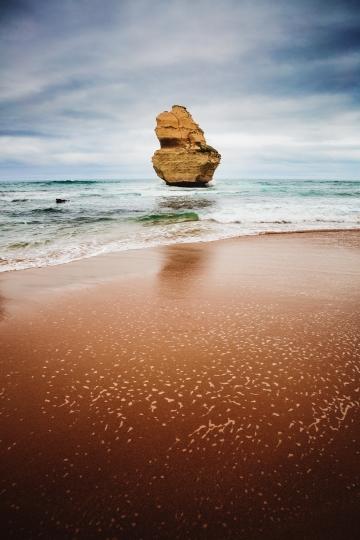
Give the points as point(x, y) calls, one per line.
point(187, 184)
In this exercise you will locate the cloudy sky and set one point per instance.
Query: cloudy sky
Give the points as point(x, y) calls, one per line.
point(275, 85)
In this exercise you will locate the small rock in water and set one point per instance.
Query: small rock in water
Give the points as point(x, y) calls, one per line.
point(59, 201)
point(184, 158)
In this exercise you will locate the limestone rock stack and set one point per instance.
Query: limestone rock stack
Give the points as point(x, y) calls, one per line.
point(184, 158)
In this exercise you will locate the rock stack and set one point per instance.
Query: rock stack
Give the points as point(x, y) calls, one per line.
point(184, 158)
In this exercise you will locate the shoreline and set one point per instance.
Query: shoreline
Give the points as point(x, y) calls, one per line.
point(95, 269)
point(206, 390)
point(175, 243)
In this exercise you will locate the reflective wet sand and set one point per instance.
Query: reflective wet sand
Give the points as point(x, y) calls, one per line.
point(195, 391)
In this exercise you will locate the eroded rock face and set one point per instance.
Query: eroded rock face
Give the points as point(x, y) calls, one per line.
point(184, 158)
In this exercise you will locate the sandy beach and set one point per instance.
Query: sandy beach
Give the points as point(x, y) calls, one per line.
point(192, 391)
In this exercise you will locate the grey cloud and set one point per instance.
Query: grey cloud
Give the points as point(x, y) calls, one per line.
point(261, 78)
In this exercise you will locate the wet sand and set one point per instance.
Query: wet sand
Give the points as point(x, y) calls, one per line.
point(200, 391)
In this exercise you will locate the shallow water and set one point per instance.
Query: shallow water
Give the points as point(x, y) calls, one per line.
point(102, 216)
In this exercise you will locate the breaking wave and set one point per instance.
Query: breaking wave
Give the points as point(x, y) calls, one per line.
point(103, 216)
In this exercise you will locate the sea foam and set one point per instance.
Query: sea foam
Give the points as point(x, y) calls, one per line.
point(103, 216)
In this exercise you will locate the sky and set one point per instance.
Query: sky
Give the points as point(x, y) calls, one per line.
point(274, 84)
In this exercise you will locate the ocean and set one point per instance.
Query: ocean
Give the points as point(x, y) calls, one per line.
point(103, 216)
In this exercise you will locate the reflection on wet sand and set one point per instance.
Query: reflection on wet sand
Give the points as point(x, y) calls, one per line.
point(182, 269)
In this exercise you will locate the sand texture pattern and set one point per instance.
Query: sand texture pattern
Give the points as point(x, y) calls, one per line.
point(206, 391)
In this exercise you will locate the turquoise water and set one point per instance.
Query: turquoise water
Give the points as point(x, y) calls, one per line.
point(102, 216)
